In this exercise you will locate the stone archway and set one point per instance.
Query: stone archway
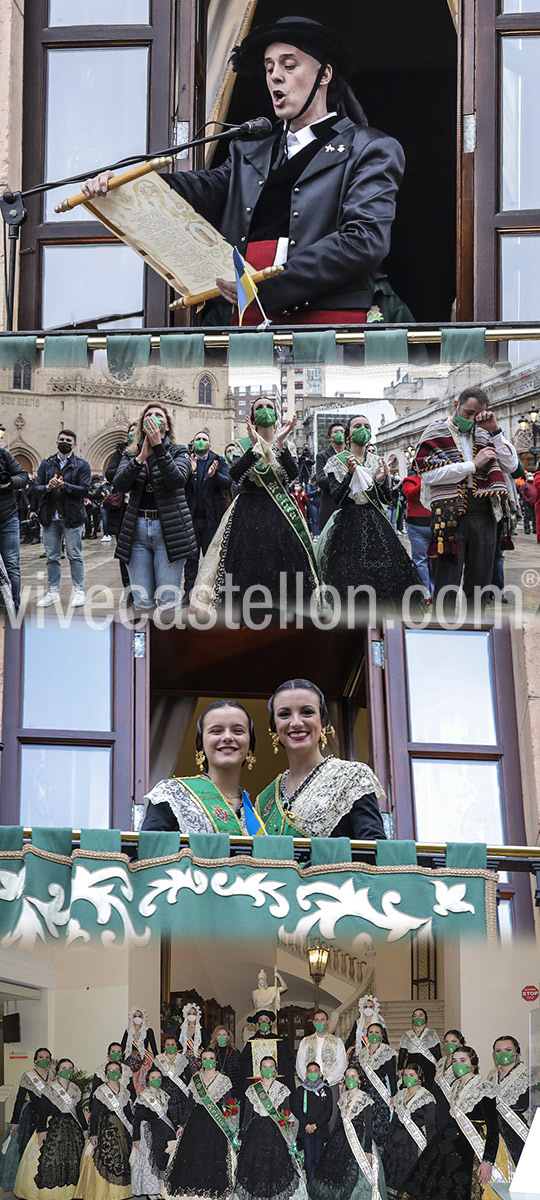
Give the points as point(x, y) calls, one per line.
point(99, 449)
point(26, 455)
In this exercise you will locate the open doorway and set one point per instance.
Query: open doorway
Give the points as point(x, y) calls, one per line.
point(407, 83)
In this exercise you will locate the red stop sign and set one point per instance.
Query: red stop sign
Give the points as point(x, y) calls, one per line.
point(530, 992)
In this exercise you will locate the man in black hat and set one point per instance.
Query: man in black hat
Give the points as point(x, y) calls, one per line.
point(317, 193)
point(262, 1044)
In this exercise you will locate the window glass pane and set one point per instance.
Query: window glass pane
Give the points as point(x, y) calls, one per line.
point(457, 801)
point(450, 687)
point(99, 12)
point(520, 6)
point(520, 103)
point(520, 270)
point(53, 697)
point(91, 283)
point(96, 114)
point(65, 785)
point(504, 921)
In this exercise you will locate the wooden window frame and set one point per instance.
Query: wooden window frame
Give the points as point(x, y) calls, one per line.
point(171, 88)
point(505, 752)
point(125, 764)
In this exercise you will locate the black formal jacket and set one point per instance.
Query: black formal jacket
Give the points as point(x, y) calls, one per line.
point(10, 472)
point(168, 468)
point(341, 213)
point(328, 504)
point(319, 1111)
point(212, 489)
point(69, 500)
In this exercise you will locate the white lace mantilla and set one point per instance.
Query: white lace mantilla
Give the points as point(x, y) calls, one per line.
point(416, 1101)
point(367, 469)
point(329, 795)
point(467, 1095)
point(429, 1038)
point(219, 1087)
point(189, 812)
point(380, 1056)
point(511, 1088)
point(278, 1093)
point(166, 1062)
point(353, 1101)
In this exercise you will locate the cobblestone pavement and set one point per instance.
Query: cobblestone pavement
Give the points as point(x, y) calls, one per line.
point(104, 586)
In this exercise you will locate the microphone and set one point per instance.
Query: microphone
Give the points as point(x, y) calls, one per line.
point(256, 128)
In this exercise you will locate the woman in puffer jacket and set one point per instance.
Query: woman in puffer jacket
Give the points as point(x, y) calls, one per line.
point(157, 534)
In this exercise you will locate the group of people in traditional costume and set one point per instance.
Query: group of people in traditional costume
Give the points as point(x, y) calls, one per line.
point(318, 795)
point(345, 1121)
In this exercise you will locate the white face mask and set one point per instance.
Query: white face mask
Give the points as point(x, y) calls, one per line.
point(137, 1020)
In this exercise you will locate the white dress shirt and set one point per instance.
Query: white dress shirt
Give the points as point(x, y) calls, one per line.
point(455, 472)
point(303, 137)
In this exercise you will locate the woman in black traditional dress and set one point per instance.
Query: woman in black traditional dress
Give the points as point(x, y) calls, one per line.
point(114, 1055)
point(350, 1167)
point(267, 1163)
point(105, 1171)
point(412, 1127)
point(358, 546)
point(420, 1046)
point(511, 1081)
point(228, 1058)
point(203, 1163)
point(24, 1118)
point(50, 1165)
point(176, 1073)
point(463, 1158)
point(263, 540)
point(152, 1132)
point(378, 1062)
point(444, 1075)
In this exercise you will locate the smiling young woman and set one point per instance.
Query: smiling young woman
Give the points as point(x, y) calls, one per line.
point(210, 802)
point(316, 796)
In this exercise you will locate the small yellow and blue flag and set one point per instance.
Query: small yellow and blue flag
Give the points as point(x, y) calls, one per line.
point(246, 288)
point(254, 825)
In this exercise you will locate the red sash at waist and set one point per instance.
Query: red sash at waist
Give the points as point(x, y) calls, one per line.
point(262, 254)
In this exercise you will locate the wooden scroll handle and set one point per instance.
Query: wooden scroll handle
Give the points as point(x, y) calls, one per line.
point(201, 297)
point(144, 169)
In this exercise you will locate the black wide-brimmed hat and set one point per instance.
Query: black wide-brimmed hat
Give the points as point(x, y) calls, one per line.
point(310, 36)
point(263, 1012)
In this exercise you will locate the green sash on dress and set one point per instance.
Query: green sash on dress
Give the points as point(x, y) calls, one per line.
point(271, 1109)
point(216, 807)
point(287, 507)
point(276, 820)
point(211, 1108)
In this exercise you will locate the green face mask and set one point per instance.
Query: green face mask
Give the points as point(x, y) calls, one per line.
point(155, 1083)
point(313, 1076)
point(264, 1026)
point(208, 1064)
point(505, 1057)
point(116, 1056)
point(44, 1063)
point(410, 1081)
point(450, 1047)
point(114, 1075)
point(361, 436)
point(351, 1082)
point(229, 456)
point(320, 1026)
point(170, 1049)
point(200, 444)
point(338, 438)
point(66, 1073)
point(159, 423)
point(222, 1040)
point(374, 1037)
point(419, 1021)
point(268, 1072)
point(131, 435)
point(460, 1069)
point(464, 424)
point(265, 417)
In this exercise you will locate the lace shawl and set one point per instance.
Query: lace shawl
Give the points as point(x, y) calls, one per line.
point(511, 1088)
point(472, 1092)
point(380, 1056)
point(352, 1102)
point(278, 1093)
point(418, 1100)
point(429, 1039)
point(219, 1087)
point(321, 802)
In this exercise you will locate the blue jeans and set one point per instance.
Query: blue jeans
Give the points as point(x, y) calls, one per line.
point(150, 570)
point(419, 537)
point(52, 541)
point(9, 549)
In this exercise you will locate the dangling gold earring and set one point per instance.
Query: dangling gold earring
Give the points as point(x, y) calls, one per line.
point(327, 732)
point(200, 757)
point(323, 739)
point(275, 740)
point(250, 760)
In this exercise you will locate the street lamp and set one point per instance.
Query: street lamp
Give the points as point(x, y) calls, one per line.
point(533, 414)
point(317, 955)
point(523, 424)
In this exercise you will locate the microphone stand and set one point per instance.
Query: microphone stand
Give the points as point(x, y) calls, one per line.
point(14, 213)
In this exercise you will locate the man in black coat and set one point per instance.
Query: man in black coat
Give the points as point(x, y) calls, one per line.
point(317, 193)
point(336, 443)
point(312, 1107)
point(62, 483)
point(13, 477)
point(264, 1043)
point(206, 494)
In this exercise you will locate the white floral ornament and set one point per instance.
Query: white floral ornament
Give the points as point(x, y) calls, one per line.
point(450, 899)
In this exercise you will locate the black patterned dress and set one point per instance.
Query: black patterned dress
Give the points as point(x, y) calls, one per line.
point(51, 1172)
point(105, 1171)
point(266, 1168)
point(383, 1064)
point(446, 1169)
point(202, 1167)
point(402, 1151)
point(513, 1088)
point(337, 1175)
